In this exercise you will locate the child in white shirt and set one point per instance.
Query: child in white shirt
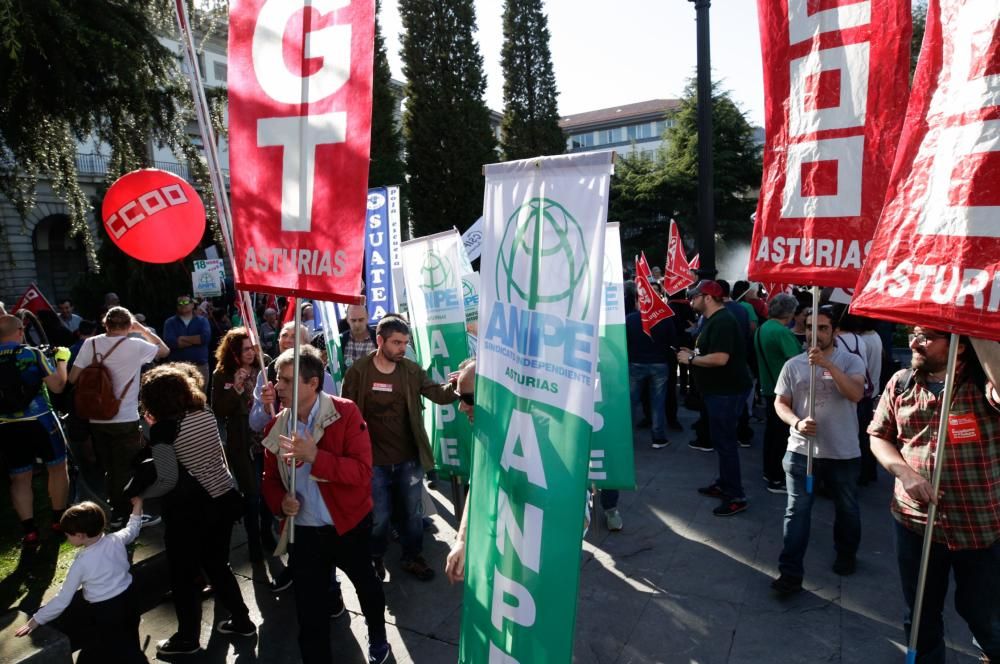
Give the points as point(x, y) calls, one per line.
point(102, 570)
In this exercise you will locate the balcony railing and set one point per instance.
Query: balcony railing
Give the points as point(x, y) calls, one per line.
point(97, 164)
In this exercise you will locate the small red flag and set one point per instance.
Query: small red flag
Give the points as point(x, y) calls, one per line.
point(32, 300)
point(651, 307)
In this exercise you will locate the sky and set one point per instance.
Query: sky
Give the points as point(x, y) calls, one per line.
point(612, 52)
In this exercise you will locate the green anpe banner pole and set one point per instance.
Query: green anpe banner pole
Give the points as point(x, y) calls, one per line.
point(536, 371)
point(432, 275)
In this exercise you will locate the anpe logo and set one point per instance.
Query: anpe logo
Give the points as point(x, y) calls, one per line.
point(375, 201)
point(544, 241)
point(436, 272)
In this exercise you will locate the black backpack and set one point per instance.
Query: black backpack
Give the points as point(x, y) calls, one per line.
point(15, 394)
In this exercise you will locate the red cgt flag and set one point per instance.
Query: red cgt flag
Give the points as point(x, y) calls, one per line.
point(300, 98)
point(835, 85)
point(651, 307)
point(32, 300)
point(935, 258)
point(677, 273)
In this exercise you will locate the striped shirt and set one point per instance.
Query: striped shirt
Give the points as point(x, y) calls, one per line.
point(199, 450)
point(969, 510)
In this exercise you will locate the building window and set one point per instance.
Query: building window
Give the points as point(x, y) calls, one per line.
point(581, 141)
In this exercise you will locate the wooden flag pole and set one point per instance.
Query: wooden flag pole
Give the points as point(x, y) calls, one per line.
point(942, 435)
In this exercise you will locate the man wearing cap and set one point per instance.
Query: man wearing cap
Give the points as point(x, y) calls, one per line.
point(187, 336)
point(719, 365)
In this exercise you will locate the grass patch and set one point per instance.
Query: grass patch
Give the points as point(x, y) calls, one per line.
point(25, 576)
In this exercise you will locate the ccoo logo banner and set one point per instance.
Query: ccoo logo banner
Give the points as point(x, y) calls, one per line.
point(300, 96)
point(835, 83)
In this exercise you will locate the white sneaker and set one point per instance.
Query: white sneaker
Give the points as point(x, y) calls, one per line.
point(614, 519)
point(150, 520)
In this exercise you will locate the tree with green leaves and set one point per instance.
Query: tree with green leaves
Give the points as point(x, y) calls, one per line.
point(386, 167)
point(919, 11)
point(90, 68)
point(736, 158)
point(446, 124)
point(530, 126)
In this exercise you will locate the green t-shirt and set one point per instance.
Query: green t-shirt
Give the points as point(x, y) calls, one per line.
point(721, 334)
point(751, 312)
point(774, 344)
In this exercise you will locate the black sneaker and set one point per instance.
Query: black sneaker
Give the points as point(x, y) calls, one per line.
point(379, 564)
point(660, 444)
point(787, 585)
point(730, 507)
point(379, 654)
point(712, 491)
point(175, 645)
point(242, 627)
point(777, 486)
point(283, 581)
point(701, 446)
point(336, 606)
point(845, 564)
point(744, 443)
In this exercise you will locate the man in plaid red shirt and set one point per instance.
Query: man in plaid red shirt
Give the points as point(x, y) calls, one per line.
point(966, 537)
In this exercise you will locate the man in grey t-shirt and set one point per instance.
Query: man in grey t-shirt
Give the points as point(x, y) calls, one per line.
point(840, 384)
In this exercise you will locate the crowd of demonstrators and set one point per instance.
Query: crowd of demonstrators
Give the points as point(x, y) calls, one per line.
point(359, 459)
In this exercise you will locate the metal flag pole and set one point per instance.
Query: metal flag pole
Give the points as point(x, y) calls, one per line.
point(810, 440)
point(293, 422)
point(203, 115)
point(942, 435)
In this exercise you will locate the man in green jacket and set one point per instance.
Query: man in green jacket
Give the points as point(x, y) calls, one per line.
point(775, 344)
point(387, 388)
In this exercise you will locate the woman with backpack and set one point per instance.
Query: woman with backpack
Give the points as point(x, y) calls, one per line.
point(236, 370)
point(200, 511)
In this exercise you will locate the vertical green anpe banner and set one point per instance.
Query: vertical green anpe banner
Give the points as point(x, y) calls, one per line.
point(536, 370)
point(470, 293)
point(612, 461)
point(432, 275)
point(331, 332)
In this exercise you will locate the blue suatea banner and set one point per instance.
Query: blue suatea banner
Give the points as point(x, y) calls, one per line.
point(381, 251)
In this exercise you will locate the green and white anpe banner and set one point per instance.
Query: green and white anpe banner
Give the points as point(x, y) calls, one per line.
point(612, 462)
point(470, 295)
point(331, 333)
point(543, 251)
point(431, 273)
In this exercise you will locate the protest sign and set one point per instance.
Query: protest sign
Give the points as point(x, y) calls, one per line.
point(543, 252)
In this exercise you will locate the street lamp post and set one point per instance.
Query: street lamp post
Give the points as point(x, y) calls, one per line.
point(706, 202)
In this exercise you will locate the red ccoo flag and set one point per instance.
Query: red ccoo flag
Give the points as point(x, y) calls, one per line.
point(32, 300)
point(651, 307)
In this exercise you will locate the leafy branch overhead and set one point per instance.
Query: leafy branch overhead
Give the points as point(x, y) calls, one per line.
point(106, 78)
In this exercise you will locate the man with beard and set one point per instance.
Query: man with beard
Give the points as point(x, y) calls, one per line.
point(719, 366)
point(840, 384)
point(387, 388)
point(966, 537)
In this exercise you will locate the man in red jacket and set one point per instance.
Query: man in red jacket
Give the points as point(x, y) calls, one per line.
point(332, 503)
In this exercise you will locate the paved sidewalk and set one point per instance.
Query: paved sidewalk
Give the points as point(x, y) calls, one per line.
point(678, 585)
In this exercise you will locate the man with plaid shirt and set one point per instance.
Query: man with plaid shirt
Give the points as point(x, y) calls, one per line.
point(966, 537)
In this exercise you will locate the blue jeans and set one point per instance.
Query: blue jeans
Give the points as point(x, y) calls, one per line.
point(841, 476)
point(656, 374)
point(723, 413)
point(977, 587)
point(399, 485)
